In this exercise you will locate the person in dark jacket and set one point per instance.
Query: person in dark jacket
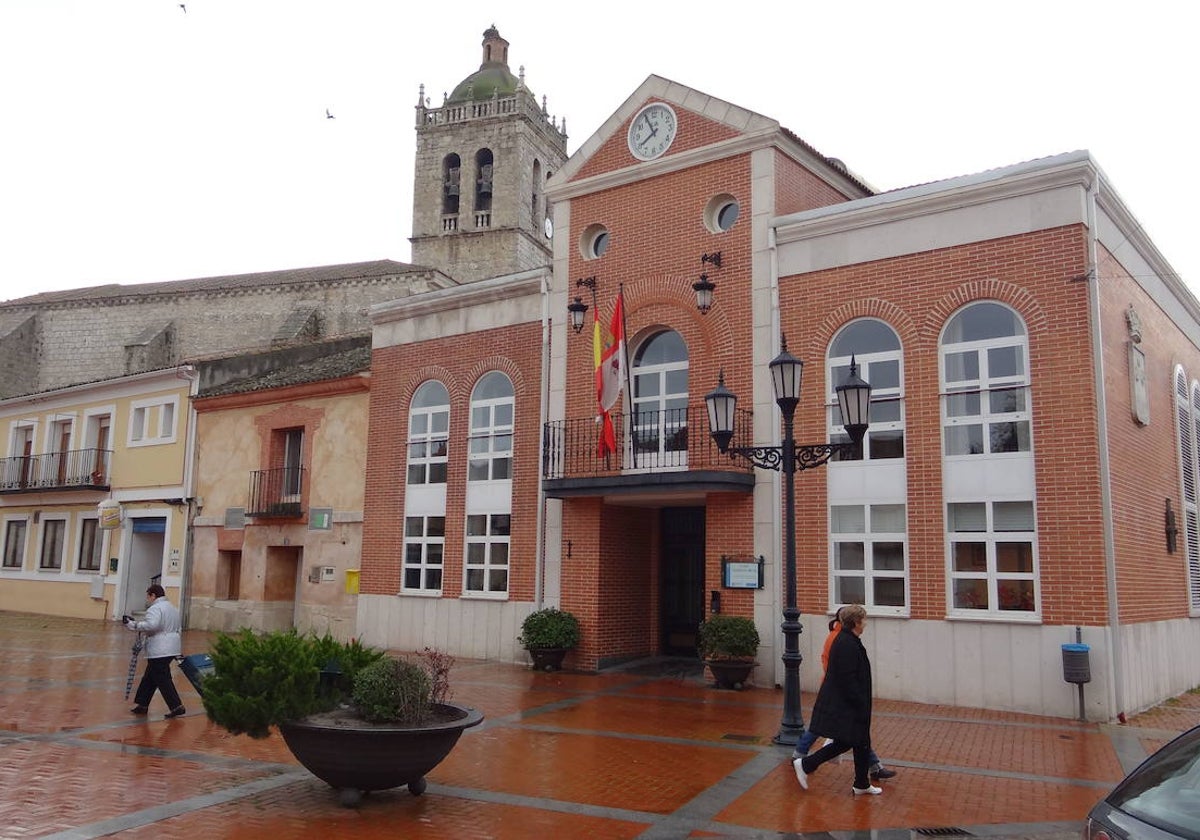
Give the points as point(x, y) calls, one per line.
point(843, 707)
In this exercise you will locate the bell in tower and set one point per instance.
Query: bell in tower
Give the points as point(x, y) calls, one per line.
point(483, 159)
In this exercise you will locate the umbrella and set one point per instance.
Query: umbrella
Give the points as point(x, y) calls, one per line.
point(137, 648)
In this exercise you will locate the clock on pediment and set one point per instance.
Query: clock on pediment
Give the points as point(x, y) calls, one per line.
point(652, 131)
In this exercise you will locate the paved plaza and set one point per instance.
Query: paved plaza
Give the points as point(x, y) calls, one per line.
point(651, 752)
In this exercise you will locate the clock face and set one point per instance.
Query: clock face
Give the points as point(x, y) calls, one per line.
point(652, 130)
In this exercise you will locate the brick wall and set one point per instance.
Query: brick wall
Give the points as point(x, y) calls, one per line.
point(458, 362)
point(1037, 274)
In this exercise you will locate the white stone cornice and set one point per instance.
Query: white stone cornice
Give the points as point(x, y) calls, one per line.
point(480, 293)
point(1073, 169)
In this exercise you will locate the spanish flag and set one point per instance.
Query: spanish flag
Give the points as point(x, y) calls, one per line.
point(608, 350)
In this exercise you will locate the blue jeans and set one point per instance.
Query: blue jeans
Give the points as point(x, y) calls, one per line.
point(808, 738)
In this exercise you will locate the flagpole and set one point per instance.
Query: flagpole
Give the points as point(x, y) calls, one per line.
point(628, 375)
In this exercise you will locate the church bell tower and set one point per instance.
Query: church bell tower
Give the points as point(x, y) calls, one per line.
point(483, 158)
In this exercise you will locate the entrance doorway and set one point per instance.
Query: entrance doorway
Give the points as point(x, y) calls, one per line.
point(681, 583)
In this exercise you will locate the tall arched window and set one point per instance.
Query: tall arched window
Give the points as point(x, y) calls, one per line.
point(489, 486)
point(991, 526)
point(535, 217)
point(483, 188)
point(428, 434)
point(876, 348)
point(451, 176)
point(660, 402)
point(868, 524)
point(490, 456)
point(1187, 414)
point(425, 496)
point(985, 379)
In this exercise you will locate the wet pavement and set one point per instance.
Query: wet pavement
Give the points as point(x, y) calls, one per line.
point(648, 752)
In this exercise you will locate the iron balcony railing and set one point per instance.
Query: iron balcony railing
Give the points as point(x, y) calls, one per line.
point(77, 469)
point(276, 493)
point(647, 441)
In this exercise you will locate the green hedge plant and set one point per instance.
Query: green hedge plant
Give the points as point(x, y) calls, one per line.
point(260, 680)
point(728, 637)
point(549, 628)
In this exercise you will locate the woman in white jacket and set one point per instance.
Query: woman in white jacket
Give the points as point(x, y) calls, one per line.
point(163, 643)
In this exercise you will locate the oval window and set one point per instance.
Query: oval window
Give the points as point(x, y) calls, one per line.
point(594, 242)
point(721, 213)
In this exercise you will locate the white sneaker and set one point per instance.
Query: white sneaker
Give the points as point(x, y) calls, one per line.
point(872, 790)
point(801, 776)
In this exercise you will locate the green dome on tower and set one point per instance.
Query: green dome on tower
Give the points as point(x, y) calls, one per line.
point(493, 77)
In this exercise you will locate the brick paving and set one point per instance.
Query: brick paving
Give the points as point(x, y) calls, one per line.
point(644, 753)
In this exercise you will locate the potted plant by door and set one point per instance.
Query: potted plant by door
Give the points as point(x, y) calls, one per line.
point(355, 718)
point(548, 634)
point(728, 644)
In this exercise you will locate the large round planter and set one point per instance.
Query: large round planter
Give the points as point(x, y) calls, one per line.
point(730, 673)
point(357, 760)
point(548, 659)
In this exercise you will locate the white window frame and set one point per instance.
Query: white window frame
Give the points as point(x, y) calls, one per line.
point(836, 368)
point(425, 565)
point(982, 388)
point(490, 545)
point(869, 538)
point(669, 408)
point(23, 556)
point(62, 551)
point(77, 548)
point(435, 429)
point(991, 540)
point(153, 421)
point(1187, 427)
point(490, 440)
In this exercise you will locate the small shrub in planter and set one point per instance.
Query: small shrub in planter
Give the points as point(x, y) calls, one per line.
point(724, 637)
point(548, 634)
point(549, 628)
point(392, 690)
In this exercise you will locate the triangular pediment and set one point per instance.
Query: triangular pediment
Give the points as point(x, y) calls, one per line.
point(707, 129)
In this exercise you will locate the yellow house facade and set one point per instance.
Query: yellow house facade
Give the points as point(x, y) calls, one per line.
point(94, 494)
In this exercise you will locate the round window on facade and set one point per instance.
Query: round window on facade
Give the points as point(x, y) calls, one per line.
point(594, 242)
point(721, 213)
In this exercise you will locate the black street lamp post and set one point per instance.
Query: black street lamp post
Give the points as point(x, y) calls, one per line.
point(854, 402)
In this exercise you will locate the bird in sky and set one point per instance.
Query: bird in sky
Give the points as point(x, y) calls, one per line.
point(184, 7)
point(328, 115)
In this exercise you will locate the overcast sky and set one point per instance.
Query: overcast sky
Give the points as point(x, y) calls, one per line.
point(143, 142)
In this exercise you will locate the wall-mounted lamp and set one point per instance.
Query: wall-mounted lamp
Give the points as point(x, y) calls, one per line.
point(578, 308)
point(704, 287)
point(1172, 529)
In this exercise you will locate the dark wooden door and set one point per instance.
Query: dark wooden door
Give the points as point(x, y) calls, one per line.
point(681, 589)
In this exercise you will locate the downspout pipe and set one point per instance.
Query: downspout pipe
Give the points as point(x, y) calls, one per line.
point(1115, 656)
point(544, 414)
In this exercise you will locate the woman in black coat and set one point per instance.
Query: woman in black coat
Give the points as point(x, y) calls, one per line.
point(843, 708)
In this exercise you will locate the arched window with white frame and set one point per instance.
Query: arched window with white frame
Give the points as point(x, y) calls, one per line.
point(425, 492)
point(868, 528)
point(660, 402)
point(1187, 414)
point(989, 483)
point(489, 487)
point(985, 382)
point(875, 348)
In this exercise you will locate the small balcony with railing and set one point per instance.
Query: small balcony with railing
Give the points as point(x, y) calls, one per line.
point(277, 493)
point(76, 469)
point(657, 452)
